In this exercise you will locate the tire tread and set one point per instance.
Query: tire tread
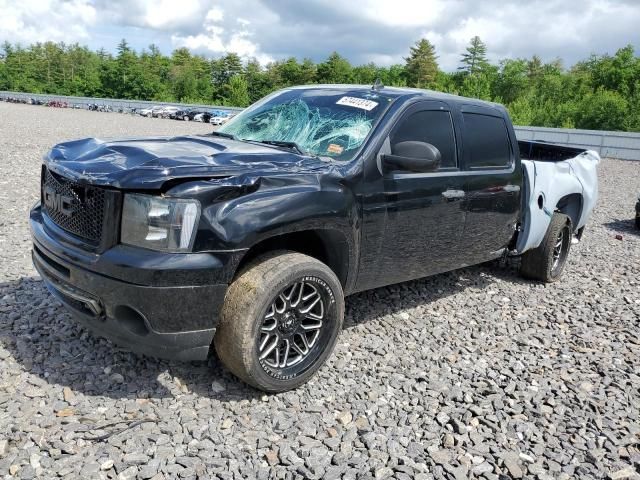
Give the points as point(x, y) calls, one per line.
point(234, 340)
point(537, 264)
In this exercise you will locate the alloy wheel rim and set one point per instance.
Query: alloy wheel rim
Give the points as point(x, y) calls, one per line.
point(558, 249)
point(292, 326)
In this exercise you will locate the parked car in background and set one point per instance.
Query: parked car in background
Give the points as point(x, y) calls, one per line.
point(146, 112)
point(203, 116)
point(57, 104)
point(157, 111)
point(198, 114)
point(218, 120)
point(94, 107)
point(181, 114)
point(166, 112)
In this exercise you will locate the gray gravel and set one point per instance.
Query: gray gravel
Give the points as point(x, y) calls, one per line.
point(470, 374)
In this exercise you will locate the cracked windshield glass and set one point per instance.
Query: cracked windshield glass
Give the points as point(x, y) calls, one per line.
point(322, 122)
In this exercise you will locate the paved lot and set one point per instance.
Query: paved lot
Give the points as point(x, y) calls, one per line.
point(471, 374)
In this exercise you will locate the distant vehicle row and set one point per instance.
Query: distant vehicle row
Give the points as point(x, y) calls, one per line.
point(216, 117)
point(196, 114)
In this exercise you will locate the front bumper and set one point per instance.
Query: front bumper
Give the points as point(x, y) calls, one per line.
point(158, 304)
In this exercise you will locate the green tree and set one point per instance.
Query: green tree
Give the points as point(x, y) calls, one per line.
point(289, 72)
point(522, 111)
point(336, 69)
point(421, 66)
point(308, 72)
point(366, 74)
point(237, 94)
point(478, 85)
point(223, 69)
point(125, 81)
point(185, 83)
point(602, 110)
point(633, 117)
point(619, 73)
point(4, 76)
point(534, 67)
point(84, 71)
point(601, 92)
point(512, 82)
point(258, 82)
point(394, 75)
point(474, 60)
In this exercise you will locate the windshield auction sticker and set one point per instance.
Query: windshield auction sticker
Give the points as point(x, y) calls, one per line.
point(335, 148)
point(362, 103)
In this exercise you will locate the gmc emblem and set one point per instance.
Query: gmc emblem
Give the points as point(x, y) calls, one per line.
point(56, 202)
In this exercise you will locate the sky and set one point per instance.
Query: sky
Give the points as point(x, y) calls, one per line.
point(379, 31)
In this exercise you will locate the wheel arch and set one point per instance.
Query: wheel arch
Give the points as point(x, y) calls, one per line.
point(548, 190)
point(571, 205)
point(329, 246)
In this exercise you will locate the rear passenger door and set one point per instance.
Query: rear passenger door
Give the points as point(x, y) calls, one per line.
point(492, 186)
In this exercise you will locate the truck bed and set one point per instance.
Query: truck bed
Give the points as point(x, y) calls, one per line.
point(547, 152)
point(553, 174)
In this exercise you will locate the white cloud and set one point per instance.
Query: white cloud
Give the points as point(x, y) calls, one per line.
point(218, 37)
point(214, 15)
point(371, 30)
point(211, 43)
point(29, 21)
point(400, 13)
point(165, 14)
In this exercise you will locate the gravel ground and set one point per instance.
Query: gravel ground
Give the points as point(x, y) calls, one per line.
point(470, 374)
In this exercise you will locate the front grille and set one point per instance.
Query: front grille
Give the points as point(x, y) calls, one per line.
point(78, 209)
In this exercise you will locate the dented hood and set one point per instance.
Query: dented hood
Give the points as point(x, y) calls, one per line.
point(147, 163)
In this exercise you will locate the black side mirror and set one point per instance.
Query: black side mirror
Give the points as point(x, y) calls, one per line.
point(413, 156)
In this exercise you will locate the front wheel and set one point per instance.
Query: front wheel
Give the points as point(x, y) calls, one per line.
point(280, 321)
point(546, 262)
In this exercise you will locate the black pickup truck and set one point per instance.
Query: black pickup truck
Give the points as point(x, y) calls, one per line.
point(248, 239)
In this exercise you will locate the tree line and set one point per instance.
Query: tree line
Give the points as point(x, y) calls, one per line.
point(601, 92)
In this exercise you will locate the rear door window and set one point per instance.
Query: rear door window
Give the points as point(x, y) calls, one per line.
point(486, 140)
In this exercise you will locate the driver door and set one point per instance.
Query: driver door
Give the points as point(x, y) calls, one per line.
point(425, 212)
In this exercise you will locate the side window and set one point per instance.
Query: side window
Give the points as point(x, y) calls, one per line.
point(487, 141)
point(430, 126)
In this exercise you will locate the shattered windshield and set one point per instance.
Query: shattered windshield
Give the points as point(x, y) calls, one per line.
point(322, 122)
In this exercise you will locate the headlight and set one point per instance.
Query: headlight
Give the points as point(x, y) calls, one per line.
point(157, 223)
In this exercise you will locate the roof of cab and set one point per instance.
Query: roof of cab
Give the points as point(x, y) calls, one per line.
point(402, 92)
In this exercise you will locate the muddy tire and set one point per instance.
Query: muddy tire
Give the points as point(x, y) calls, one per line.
point(280, 321)
point(546, 263)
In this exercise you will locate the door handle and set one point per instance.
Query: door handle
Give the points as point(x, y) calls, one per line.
point(453, 194)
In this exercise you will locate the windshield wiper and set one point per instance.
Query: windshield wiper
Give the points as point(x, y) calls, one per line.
point(285, 144)
point(275, 143)
point(215, 133)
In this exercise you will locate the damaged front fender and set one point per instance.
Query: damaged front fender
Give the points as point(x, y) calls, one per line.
point(239, 212)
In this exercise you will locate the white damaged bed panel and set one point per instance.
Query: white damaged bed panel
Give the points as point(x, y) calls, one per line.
point(546, 184)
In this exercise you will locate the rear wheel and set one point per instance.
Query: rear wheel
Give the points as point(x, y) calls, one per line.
point(186, 118)
point(546, 263)
point(280, 321)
